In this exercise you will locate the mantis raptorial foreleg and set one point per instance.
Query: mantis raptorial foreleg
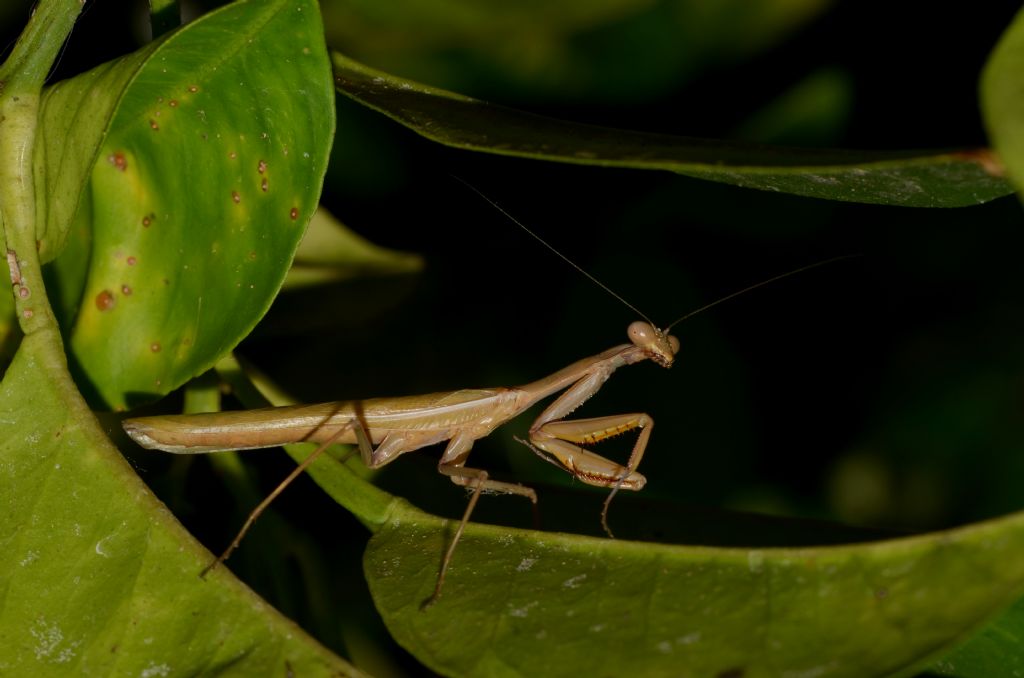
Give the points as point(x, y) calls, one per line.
point(561, 439)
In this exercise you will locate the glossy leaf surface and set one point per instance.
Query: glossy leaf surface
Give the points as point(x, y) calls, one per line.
point(909, 178)
point(210, 171)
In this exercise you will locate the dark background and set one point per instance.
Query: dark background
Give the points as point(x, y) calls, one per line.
point(883, 392)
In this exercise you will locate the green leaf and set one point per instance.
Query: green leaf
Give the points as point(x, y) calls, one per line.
point(573, 50)
point(330, 252)
point(907, 178)
point(998, 650)
point(75, 117)
point(210, 171)
point(519, 602)
point(815, 110)
point(100, 579)
point(1002, 98)
point(164, 16)
point(97, 572)
point(525, 603)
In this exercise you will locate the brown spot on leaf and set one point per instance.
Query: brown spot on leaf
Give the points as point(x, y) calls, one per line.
point(118, 160)
point(105, 300)
point(155, 347)
point(294, 214)
point(264, 185)
point(148, 219)
point(261, 166)
point(153, 125)
point(126, 291)
point(235, 197)
point(131, 261)
point(173, 103)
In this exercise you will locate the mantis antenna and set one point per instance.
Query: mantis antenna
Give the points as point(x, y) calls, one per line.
point(756, 285)
point(633, 308)
point(551, 247)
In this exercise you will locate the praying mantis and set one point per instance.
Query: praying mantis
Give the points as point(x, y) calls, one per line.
point(386, 428)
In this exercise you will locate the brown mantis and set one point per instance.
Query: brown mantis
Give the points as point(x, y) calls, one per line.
point(386, 428)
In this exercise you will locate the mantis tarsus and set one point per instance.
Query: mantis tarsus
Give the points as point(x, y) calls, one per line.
point(385, 428)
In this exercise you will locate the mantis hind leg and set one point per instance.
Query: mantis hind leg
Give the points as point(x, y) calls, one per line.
point(364, 443)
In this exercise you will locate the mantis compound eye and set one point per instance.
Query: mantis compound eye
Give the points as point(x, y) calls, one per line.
point(641, 333)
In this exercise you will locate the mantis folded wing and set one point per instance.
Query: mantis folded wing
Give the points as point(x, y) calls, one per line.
point(385, 428)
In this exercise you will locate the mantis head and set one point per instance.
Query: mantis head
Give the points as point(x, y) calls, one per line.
point(656, 344)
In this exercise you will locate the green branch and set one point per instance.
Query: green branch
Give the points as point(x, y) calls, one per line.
point(22, 77)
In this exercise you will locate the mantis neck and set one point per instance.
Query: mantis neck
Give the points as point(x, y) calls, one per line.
point(597, 366)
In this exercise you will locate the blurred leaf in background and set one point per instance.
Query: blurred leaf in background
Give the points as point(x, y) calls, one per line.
point(573, 52)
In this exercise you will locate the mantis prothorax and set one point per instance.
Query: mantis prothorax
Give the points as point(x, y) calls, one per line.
point(385, 428)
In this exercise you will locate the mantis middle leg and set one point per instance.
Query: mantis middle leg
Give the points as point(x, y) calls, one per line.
point(452, 465)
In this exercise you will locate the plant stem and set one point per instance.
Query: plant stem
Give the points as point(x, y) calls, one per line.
point(22, 77)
